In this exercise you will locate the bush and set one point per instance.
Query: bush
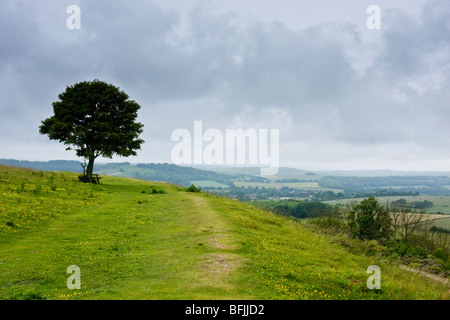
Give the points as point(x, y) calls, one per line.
point(193, 188)
point(441, 253)
point(404, 249)
point(418, 251)
point(399, 247)
point(154, 190)
point(446, 265)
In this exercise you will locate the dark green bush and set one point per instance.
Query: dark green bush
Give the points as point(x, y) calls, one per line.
point(407, 249)
point(441, 253)
point(154, 190)
point(193, 188)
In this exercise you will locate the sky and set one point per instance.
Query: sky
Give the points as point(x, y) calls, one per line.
point(343, 96)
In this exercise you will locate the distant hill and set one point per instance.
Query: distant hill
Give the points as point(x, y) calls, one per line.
point(167, 173)
point(252, 171)
point(52, 165)
point(221, 178)
point(150, 171)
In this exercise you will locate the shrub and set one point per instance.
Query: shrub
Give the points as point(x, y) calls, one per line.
point(441, 253)
point(154, 190)
point(404, 249)
point(193, 188)
point(368, 220)
point(419, 251)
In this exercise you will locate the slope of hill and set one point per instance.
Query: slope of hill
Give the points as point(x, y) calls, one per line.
point(149, 171)
point(135, 239)
point(52, 165)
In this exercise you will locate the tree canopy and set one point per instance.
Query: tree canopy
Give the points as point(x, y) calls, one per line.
point(95, 119)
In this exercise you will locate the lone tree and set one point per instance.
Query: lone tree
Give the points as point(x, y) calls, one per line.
point(95, 119)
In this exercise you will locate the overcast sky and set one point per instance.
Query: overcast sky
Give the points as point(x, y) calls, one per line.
point(342, 96)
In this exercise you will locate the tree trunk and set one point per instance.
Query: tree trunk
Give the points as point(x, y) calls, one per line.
point(90, 166)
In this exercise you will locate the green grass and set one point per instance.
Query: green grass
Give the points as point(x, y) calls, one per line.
point(133, 244)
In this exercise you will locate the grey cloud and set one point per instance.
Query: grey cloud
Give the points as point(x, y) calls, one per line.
point(228, 69)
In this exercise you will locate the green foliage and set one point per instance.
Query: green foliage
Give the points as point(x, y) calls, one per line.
point(370, 221)
point(95, 119)
point(441, 253)
point(301, 209)
point(422, 204)
point(406, 249)
point(154, 190)
point(193, 188)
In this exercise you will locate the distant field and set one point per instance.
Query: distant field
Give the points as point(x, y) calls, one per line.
point(440, 203)
point(307, 186)
point(278, 185)
point(244, 184)
point(442, 223)
point(208, 183)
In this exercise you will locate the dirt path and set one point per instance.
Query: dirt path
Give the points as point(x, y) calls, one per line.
point(222, 261)
point(426, 274)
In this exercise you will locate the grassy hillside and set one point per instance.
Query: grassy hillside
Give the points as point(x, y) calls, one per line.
point(135, 239)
